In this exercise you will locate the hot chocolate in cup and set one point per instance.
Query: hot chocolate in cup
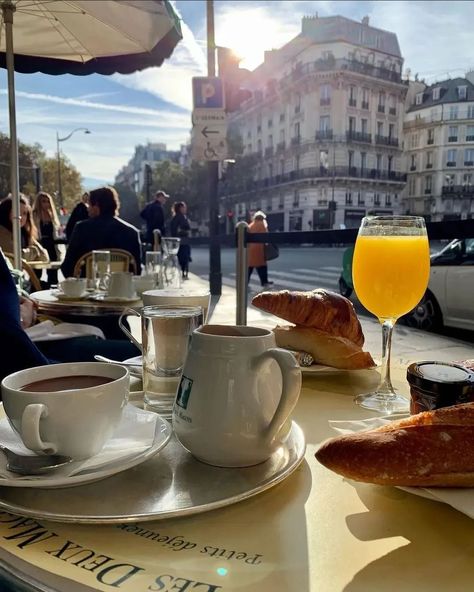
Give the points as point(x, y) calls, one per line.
point(179, 297)
point(70, 409)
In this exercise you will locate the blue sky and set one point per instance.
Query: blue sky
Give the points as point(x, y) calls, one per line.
point(154, 105)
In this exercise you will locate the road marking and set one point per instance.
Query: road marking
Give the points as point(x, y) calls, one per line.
point(337, 270)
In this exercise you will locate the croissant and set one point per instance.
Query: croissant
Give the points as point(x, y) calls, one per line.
point(329, 350)
point(430, 449)
point(320, 309)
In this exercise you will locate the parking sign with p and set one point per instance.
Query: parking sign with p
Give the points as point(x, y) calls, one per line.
point(208, 93)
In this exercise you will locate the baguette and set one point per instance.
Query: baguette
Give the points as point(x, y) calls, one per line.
point(319, 309)
point(430, 449)
point(324, 348)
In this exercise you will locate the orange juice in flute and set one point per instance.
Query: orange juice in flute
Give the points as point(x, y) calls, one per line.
point(390, 273)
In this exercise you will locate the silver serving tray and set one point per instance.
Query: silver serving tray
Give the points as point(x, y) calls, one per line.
point(171, 484)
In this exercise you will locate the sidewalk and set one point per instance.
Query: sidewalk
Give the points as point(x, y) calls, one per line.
point(408, 344)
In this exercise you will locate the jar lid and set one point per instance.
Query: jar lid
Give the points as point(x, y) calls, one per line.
point(440, 377)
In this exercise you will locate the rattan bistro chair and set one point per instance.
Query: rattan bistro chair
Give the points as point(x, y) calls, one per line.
point(120, 260)
point(31, 276)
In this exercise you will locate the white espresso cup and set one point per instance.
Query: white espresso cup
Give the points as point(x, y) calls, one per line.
point(179, 297)
point(70, 409)
point(235, 397)
point(142, 283)
point(121, 285)
point(74, 287)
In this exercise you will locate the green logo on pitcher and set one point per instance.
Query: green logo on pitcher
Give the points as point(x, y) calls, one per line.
point(184, 390)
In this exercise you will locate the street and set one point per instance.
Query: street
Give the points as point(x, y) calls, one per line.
point(300, 268)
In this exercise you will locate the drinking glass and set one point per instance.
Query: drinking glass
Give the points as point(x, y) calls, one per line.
point(100, 269)
point(171, 272)
point(390, 273)
point(153, 267)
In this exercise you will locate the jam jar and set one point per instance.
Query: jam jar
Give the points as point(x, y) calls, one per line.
point(438, 384)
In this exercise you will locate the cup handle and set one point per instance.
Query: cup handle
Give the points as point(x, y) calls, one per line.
point(125, 313)
point(291, 374)
point(30, 429)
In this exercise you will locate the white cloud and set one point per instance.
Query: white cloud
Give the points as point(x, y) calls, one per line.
point(172, 81)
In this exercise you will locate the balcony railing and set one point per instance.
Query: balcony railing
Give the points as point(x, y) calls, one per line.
point(452, 138)
point(365, 104)
point(430, 141)
point(381, 108)
point(468, 163)
point(457, 190)
point(354, 136)
point(352, 103)
point(413, 167)
point(324, 135)
point(469, 138)
point(427, 191)
point(386, 140)
point(392, 111)
point(429, 165)
point(451, 163)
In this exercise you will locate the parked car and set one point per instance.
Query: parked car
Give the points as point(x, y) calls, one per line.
point(449, 299)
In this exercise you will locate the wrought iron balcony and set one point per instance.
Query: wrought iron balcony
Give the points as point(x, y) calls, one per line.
point(354, 136)
point(324, 135)
point(365, 104)
point(429, 165)
point(381, 108)
point(458, 190)
point(392, 111)
point(352, 103)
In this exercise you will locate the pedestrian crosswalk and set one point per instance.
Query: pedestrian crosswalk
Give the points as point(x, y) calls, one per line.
point(295, 279)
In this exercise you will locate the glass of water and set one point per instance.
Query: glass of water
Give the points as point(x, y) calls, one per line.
point(100, 269)
point(153, 267)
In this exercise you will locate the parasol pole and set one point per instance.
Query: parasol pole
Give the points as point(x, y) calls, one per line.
point(8, 9)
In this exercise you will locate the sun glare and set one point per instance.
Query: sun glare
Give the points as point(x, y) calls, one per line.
point(249, 33)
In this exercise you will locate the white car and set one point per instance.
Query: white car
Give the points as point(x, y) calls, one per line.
point(449, 299)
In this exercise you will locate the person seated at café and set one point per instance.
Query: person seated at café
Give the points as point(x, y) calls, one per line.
point(31, 249)
point(19, 352)
point(80, 212)
point(47, 222)
point(103, 230)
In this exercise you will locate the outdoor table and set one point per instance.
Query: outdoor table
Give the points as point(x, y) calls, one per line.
point(315, 531)
point(101, 313)
point(45, 264)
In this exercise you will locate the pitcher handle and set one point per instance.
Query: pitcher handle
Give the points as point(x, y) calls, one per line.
point(291, 387)
point(125, 313)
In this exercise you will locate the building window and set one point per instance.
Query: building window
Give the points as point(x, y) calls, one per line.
point(467, 179)
point(350, 156)
point(388, 199)
point(282, 136)
point(348, 197)
point(325, 95)
point(429, 160)
point(430, 139)
point(469, 157)
point(270, 170)
point(379, 128)
point(451, 158)
point(419, 98)
point(282, 117)
point(297, 103)
point(249, 148)
point(378, 162)
point(453, 133)
point(282, 167)
point(393, 105)
point(363, 161)
point(381, 105)
point(470, 133)
point(270, 141)
point(462, 92)
point(453, 112)
point(259, 146)
point(365, 98)
point(270, 123)
point(389, 164)
point(364, 126)
point(436, 93)
point(297, 131)
point(470, 112)
point(352, 96)
point(391, 130)
point(281, 201)
point(324, 123)
point(296, 199)
point(360, 199)
point(352, 124)
point(413, 162)
point(414, 139)
point(428, 184)
point(376, 199)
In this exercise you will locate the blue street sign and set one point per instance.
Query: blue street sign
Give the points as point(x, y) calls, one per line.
point(208, 93)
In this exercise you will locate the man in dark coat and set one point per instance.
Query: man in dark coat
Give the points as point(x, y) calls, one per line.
point(154, 216)
point(80, 212)
point(103, 230)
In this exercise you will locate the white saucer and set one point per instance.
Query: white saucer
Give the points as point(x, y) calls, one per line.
point(61, 296)
point(134, 422)
point(107, 298)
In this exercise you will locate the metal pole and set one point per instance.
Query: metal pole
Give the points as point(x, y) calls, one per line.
point(332, 212)
point(8, 9)
point(60, 183)
point(215, 275)
point(241, 269)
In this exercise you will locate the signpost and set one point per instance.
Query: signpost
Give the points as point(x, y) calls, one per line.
point(208, 138)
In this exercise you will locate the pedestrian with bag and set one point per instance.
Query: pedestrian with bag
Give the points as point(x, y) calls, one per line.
point(256, 251)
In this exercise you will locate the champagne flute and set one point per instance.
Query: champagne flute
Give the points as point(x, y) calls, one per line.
point(390, 270)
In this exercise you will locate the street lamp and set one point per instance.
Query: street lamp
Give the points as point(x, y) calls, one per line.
point(58, 140)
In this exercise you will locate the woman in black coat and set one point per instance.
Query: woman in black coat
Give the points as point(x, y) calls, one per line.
point(180, 227)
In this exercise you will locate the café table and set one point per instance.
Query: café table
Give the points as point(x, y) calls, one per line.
point(44, 264)
point(313, 532)
point(102, 313)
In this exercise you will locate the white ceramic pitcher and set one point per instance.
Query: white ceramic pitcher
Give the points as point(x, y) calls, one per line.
point(235, 397)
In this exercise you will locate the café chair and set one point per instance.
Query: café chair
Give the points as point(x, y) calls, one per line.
point(28, 272)
point(120, 260)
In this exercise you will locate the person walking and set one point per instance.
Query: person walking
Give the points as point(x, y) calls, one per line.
point(154, 216)
point(256, 251)
point(180, 227)
point(80, 212)
point(47, 222)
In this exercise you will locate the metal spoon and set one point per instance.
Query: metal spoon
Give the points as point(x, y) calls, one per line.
point(134, 368)
point(33, 464)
